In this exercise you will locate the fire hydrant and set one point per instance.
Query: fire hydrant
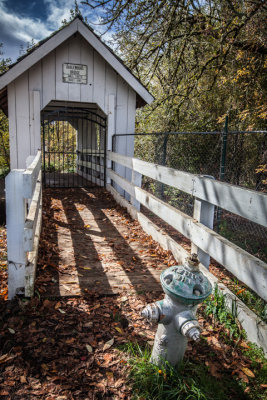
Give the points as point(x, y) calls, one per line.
point(185, 287)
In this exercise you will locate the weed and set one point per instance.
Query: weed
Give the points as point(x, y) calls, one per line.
point(215, 305)
point(190, 381)
point(259, 366)
point(4, 171)
point(251, 299)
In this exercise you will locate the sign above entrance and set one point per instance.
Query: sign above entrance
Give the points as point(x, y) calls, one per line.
point(74, 73)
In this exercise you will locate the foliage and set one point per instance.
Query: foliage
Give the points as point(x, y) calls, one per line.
point(201, 60)
point(59, 139)
point(190, 381)
point(216, 306)
point(4, 133)
point(250, 298)
point(74, 12)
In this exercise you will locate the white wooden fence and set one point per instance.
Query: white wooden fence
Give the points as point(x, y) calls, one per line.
point(92, 165)
point(207, 192)
point(23, 222)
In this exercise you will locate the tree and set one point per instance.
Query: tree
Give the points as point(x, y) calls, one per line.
point(4, 134)
point(201, 59)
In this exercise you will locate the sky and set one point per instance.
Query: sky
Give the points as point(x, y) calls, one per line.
point(24, 20)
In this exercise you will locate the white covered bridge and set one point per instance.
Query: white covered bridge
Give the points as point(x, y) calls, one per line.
point(65, 100)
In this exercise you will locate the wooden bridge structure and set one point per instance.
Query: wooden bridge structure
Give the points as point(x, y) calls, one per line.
point(66, 99)
point(92, 266)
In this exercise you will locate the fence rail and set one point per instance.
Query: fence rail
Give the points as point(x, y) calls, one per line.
point(23, 221)
point(247, 203)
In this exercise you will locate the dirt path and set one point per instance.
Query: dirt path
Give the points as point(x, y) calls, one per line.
point(88, 243)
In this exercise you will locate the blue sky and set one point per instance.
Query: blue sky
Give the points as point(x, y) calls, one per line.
point(24, 20)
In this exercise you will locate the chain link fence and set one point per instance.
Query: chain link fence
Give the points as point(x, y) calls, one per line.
point(238, 158)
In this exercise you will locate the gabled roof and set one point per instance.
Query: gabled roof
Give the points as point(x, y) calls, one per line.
point(44, 47)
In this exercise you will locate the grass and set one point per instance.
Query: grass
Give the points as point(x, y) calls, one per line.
point(215, 305)
point(191, 381)
point(251, 299)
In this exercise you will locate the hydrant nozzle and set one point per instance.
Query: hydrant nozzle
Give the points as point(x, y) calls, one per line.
point(151, 312)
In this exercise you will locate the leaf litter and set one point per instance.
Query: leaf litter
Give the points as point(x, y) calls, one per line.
point(71, 348)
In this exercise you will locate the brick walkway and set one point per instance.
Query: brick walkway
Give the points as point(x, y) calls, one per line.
point(89, 243)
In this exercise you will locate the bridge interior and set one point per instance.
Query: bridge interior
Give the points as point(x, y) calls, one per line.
point(90, 244)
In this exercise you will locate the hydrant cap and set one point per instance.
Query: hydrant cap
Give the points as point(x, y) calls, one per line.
point(190, 287)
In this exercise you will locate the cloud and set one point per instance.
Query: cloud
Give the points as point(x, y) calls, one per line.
point(19, 27)
point(58, 10)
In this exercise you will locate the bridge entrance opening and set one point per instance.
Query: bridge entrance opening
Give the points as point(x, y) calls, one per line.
point(73, 146)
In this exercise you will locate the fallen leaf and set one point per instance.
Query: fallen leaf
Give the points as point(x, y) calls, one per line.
point(248, 372)
point(119, 330)
point(110, 376)
point(4, 393)
point(108, 344)
point(70, 340)
point(5, 357)
point(89, 348)
point(240, 291)
point(119, 382)
point(57, 305)
point(23, 379)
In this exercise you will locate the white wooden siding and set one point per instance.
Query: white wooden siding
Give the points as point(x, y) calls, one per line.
point(87, 58)
point(75, 27)
point(22, 116)
point(12, 126)
point(99, 81)
point(62, 56)
point(74, 53)
point(46, 78)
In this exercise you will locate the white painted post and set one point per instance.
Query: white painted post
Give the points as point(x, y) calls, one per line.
point(137, 181)
point(110, 130)
point(15, 219)
point(35, 121)
point(203, 213)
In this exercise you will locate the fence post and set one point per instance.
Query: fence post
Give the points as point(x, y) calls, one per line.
point(203, 213)
point(137, 181)
point(15, 219)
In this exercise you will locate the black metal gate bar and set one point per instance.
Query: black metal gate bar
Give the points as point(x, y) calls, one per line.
point(68, 161)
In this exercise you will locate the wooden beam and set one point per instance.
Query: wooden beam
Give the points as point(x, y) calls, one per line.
point(33, 215)
point(244, 202)
point(255, 328)
point(92, 165)
point(15, 218)
point(247, 268)
point(30, 268)
point(204, 213)
point(30, 176)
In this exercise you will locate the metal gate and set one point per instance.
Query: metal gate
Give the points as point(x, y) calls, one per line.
point(74, 148)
